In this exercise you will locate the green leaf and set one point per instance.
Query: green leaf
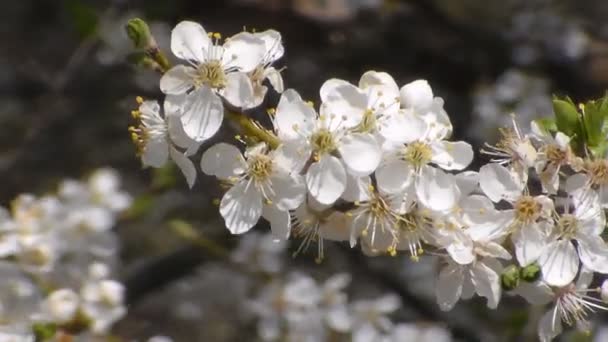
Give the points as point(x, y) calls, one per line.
point(83, 17)
point(547, 124)
point(44, 331)
point(567, 117)
point(594, 116)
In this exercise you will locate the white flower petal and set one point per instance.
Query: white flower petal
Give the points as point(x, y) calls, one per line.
point(280, 222)
point(548, 327)
point(156, 153)
point(178, 135)
point(529, 242)
point(203, 113)
point(449, 286)
point(276, 80)
point(460, 248)
point(294, 117)
point(436, 189)
point(452, 155)
point(272, 42)
point(559, 263)
point(290, 190)
point(357, 188)
point(184, 164)
point(417, 94)
point(326, 179)
point(593, 253)
point(361, 153)
point(394, 176)
point(343, 106)
point(239, 90)
point(404, 127)
point(498, 183)
point(189, 41)
point(467, 182)
point(178, 80)
point(243, 51)
point(487, 283)
point(223, 161)
point(241, 207)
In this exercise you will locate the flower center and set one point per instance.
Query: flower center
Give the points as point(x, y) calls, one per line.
point(322, 142)
point(568, 226)
point(368, 123)
point(418, 154)
point(598, 171)
point(211, 74)
point(527, 209)
point(554, 154)
point(259, 167)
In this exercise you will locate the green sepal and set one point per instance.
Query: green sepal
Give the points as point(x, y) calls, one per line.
point(594, 116)
point(547, 124)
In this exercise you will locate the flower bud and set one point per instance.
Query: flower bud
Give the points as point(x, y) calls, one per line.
point(530, 273)
point(139, 33)
point(509, 279)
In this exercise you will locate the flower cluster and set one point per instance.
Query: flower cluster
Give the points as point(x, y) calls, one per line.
point(298, 308)
point(57, 252)
point(373, 164)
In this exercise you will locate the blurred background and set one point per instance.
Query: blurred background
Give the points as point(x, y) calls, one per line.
point(66, 91)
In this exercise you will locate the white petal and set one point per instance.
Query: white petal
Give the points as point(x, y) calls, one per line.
point(449, 286)
point(280, 222)
point(156, 153)
point(529, 243)
point(593, 253)
point(243, 51)
point(461, 248)
point(223, 161)
point(452, 155)
point(357, 188)
point(276, 80)
point(185, 165)
point(487, 283)
point(537, 293)
point(343, 106)
point(404, 126)
point(498, 183)
point(380, 81)
point(394, 176)
point(559, 263)
point(178, 135)
point(239, 90)
point(493, 250)
point(178, 80)
point(436, 189)
point(576, 182)
point(274, 46)
point(203, 113)
point(241, 207)
point(294, 117)
point(550, 326)
point(361, 153)
point(467, 182)
point(290, 190)
point(189, 41)
point(417, 94)
point(326, 179)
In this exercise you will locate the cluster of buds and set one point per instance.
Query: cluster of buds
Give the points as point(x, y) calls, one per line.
point(54, 245)
point(373, 165)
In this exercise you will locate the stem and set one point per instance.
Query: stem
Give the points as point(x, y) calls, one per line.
point(252, 129)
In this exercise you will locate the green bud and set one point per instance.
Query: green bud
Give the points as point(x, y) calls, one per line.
point(44, 331)
point(530, 273)
point(594, 115)
point(509, 279)
point(139, 33)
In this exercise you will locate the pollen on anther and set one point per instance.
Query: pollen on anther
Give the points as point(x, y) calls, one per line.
point(139, 99)
point(216, 201)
